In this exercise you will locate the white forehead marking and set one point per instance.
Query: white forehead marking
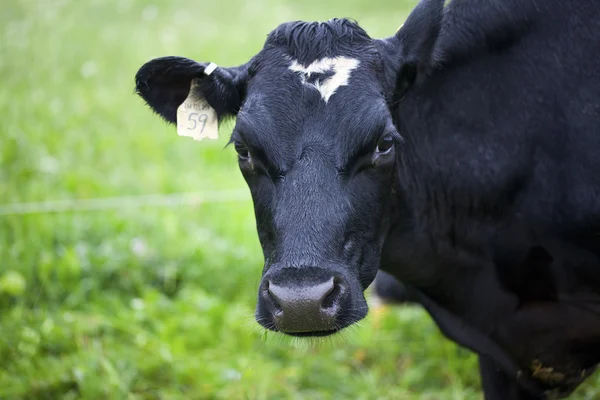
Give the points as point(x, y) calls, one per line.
point(341, 67)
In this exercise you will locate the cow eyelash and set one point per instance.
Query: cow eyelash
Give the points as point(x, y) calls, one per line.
point(242, 150)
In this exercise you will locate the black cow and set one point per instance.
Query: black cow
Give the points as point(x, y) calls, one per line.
point(388, 290)
point(461, 155)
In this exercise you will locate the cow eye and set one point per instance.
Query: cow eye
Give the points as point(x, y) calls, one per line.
point(242, 151)
point(385, 144)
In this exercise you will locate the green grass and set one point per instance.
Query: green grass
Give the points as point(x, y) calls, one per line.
point(151, 302)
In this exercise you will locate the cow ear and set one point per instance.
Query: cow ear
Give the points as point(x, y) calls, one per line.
point(410, 51)
point(164, 84)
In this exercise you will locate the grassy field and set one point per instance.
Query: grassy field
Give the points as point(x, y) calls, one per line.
point(139, 301)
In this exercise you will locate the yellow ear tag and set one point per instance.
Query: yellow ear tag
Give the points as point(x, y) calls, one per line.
point(195, 117)
point(400, 27)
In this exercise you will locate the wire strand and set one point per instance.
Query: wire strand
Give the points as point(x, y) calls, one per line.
point(111, 203)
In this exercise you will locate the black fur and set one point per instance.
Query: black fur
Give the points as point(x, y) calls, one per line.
point(309, 41)
point(486, 208)
point(389, 290)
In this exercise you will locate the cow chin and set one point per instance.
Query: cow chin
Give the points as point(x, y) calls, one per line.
point(309, 301)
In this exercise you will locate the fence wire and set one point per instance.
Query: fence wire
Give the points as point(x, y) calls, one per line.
point(121, 202)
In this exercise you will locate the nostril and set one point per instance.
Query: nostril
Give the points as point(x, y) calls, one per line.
point(272, 297)
point(333, 294)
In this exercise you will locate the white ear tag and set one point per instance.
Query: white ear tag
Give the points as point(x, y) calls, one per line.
point(195, 117)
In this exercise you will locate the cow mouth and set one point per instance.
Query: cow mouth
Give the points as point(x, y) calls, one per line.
point(313, 333)
point(332, 330)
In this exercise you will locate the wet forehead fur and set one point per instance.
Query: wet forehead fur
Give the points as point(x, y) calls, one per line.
point(320, 56)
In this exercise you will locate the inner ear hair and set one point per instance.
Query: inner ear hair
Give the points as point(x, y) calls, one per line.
point(223, 89)
point(414, 45)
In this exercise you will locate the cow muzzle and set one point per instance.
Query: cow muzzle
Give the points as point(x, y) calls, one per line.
point(305, 301)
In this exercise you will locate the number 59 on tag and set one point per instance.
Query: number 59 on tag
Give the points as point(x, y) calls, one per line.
point(197, 122)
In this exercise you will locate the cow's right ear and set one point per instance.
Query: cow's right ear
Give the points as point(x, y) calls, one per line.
point(410, 52)
point(164, 84)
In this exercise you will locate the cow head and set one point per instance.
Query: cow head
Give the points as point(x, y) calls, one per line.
point(317, 148)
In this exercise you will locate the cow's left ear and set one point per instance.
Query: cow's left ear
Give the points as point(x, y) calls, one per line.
point(164, 84)
point(410, 52)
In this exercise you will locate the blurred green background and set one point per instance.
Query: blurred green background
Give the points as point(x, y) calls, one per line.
point(138, 299)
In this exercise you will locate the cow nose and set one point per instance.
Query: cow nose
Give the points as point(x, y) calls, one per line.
point(307, 307)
